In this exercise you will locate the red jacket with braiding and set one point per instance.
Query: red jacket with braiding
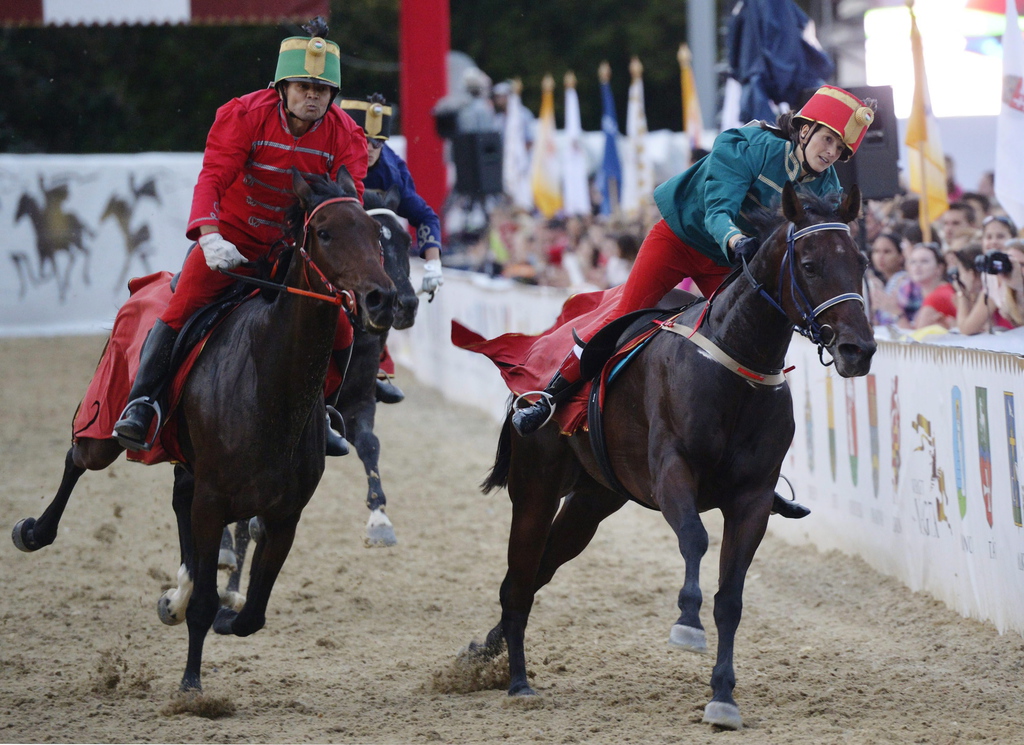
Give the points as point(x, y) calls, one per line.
point(246, 183)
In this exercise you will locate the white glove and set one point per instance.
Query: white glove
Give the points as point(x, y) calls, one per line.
point(220, 253)
point(432, 279)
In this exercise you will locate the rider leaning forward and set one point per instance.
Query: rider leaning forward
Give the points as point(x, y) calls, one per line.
point(704, 231)
point(244, 191)
point(386, 169)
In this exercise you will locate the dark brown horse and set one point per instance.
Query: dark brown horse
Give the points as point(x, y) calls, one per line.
point(251, 416)
point(687, 434)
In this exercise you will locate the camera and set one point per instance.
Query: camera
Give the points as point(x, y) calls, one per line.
point(994, 262)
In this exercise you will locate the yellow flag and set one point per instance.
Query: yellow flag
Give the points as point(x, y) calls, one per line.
point(546, 173)
point(927, 159)
point(693, 123)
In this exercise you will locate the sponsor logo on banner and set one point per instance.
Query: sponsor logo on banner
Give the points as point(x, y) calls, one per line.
point(937, 482)
point(851, 427)
point(830, 404)
point(1011, 444)
point(894, 421)
point(958, 449)
point(984, 450)
point(873, 430)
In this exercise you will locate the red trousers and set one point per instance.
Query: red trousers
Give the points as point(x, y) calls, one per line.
point(662, 263)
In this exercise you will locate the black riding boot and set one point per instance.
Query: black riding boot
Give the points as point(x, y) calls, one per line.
point(789, 508)
point(530, 418)
point(336, 442)
point(388, 392)
point(132, 428)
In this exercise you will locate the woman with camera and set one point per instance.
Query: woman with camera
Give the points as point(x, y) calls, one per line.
point(999, 303)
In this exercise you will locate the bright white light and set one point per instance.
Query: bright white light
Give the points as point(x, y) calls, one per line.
point(960, 83)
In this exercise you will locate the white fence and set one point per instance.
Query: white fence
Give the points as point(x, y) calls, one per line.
point(914, 467)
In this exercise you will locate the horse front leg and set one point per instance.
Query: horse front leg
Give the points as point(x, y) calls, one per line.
point(743, 530)
point(30, 534)
point(172, 605)
point(206, 528)
point(268, 558)
point(688, 631)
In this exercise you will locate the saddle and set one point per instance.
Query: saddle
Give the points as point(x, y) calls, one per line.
point(618, 343)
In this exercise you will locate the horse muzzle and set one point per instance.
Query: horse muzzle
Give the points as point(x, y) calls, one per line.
point(377, 309)
point(853, 358)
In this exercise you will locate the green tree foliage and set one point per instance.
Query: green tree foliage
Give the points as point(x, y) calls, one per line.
point(125, 89)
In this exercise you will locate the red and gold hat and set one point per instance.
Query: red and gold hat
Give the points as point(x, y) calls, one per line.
point(840, 111)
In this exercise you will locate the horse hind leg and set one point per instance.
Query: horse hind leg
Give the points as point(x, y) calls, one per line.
point(31, 534)
point(231, 597)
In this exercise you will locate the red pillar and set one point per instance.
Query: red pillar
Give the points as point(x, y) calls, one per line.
point(424, 39)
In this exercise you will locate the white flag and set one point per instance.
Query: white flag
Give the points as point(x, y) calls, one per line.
point(575, 190)
point(1010, 127)
point(637, 179)
point(515, 161)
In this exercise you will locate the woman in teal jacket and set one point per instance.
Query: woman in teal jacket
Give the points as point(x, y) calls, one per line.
point(705, 227)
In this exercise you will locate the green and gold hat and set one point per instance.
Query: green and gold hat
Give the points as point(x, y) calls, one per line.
point(309, 58)
point(375, 118)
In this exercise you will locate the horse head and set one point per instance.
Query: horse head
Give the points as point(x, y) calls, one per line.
point(395, 241)
point(821, 275)
point(343, 244)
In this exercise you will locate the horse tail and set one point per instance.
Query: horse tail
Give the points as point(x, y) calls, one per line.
point(498, 476)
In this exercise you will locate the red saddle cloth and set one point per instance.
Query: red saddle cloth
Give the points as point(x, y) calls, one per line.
point(527, 363)
point(107, 394)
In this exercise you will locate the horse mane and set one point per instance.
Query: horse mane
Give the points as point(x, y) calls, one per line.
point(323, 188)
point(819, 209)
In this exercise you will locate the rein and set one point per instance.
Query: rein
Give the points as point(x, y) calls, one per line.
point(808, 326)
point(334, 296)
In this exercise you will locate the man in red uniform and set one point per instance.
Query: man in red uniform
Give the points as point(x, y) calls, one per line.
point(244, 191)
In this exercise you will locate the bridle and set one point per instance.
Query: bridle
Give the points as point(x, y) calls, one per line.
point(823, 335)
point(345, 298)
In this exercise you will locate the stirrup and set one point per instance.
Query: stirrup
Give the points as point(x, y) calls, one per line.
point(544, 395)
point(130, 443)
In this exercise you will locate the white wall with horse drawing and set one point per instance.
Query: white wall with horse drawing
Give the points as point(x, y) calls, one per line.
point(76, 228)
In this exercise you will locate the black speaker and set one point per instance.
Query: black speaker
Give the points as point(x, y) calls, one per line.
point(478, 157)
point(875, 167)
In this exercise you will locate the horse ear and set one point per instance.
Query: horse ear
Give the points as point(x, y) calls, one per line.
point(345, 180)
point(301, 189)
point(393, 197)
point(791, 205)
point(849, 210)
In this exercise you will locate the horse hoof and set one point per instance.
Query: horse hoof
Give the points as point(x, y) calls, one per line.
point(256, 531)
point(688, 638)
point(22, 535)
point(380, 533)
point(231, 599)
point(224, 620)
point(521, 691)
point(190, 683)
point(227, 560)
point(723, 715)
point(163, 610)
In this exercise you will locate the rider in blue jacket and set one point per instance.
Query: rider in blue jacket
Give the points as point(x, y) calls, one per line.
point(387, 169)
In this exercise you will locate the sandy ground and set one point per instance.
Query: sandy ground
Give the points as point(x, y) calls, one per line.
point(359, 643)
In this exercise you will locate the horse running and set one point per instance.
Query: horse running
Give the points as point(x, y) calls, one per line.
point(356, 400)
point(686, 434)
point(251, 415)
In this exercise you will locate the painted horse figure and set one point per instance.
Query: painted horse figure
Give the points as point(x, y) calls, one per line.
point(687, 434)
point(251, 415)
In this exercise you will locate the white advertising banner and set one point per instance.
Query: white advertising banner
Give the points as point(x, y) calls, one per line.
point(77, 228)
point(915, 469)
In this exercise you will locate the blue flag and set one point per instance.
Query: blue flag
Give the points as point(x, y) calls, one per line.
point(610, 176)
point(772, 56)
